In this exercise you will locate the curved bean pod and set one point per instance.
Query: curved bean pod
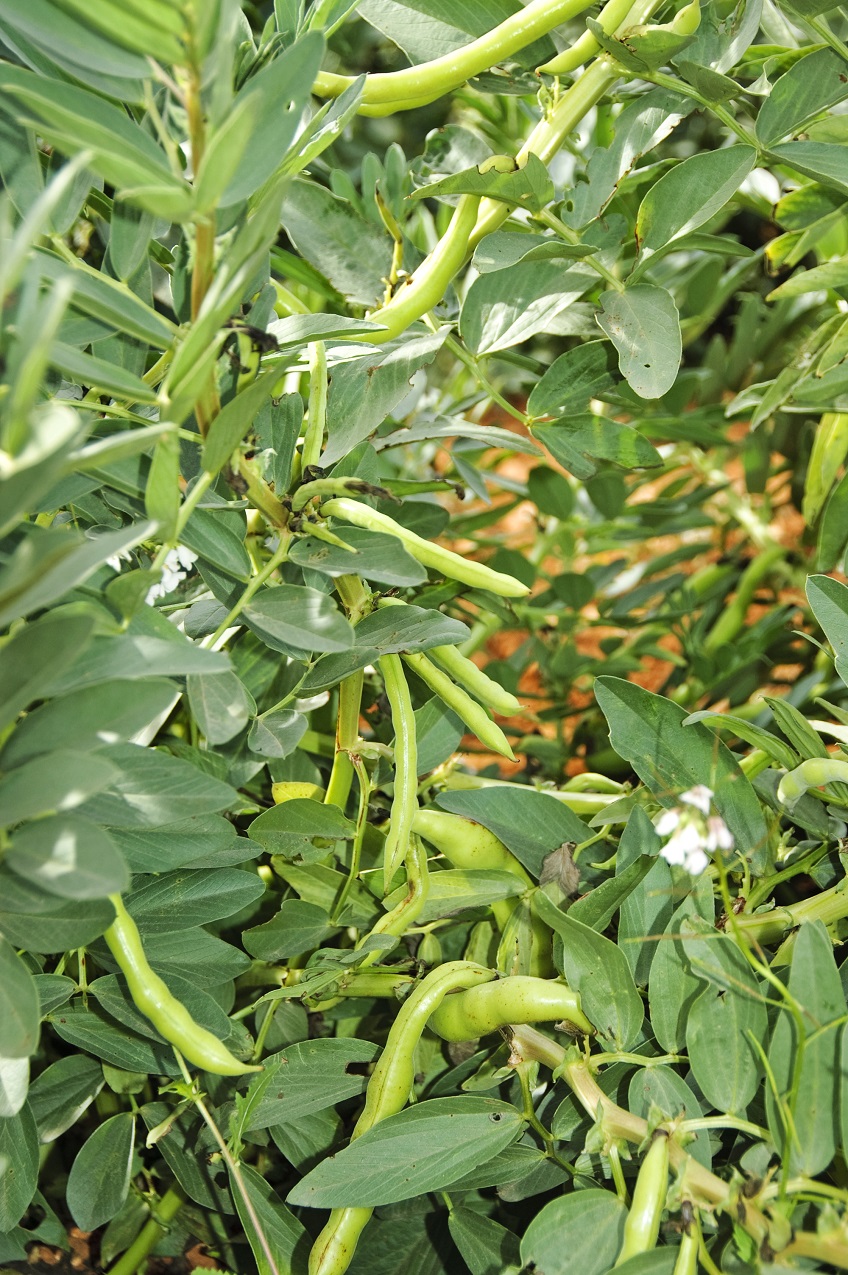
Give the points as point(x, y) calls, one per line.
point(475, 574)
point(478, 1011)
point(387, 1093)
point(485, 688)
point(152, 996)
point(643, 1221)
point(431, 79)
point(472, 714)
point(427, 285)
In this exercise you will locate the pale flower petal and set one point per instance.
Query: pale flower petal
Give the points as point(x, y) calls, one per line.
point(686, 839)
point(696, 862)
point(700, 797)
point(719, 836)
point(667, 822)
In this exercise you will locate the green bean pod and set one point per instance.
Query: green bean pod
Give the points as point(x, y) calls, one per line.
point(610, 18)
point(387, 1093)
point(812, 773)
point(732, 619)
point(686, 1262)
point(642, 1227)
point(472, 714)
point(475, 574)
point(152, 996)
point(485, 688)
point(478, 1011)
point(467, 844)
point(428, 80)
point(427, 285)
point(405, 799)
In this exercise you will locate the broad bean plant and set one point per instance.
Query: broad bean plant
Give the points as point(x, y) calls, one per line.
point(423, 674)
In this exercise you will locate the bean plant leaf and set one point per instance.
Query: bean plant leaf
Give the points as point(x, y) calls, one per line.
point(100, 1175)
point(671, 758)
point(596, 968)
point(814, 983)
point(406, 1154)
point(643, 324)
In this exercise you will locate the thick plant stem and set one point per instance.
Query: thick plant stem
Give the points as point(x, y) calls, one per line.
point(701, 1186)
point(150, 1234)
point(317, 415)
point(418, 85)
point(347, 737)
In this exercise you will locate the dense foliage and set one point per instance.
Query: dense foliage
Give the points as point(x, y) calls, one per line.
point(342, 343)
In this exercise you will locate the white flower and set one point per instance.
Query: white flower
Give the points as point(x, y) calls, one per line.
point(117, 558)
point(667, 822)
point(719, 836)
point(172, 575)
point(681, 844)
point(693, 832)
point(699, 797)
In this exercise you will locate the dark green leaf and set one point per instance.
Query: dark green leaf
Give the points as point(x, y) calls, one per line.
point(99, 1180)
point(420, 1149)
point(598, 970)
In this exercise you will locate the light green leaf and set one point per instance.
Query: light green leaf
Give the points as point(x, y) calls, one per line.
point(528, 187)
point(485, 1245)
point(690, 194)
point(377, 557)
point(505, 307)
point(19, 1006)
point(221, 704)
point(305, 1078)
point(582, 373)
point(724, 1020)
point(648, 731)
point(69, 856)
point(815, 984)
point(292, 617)
point(580, 441)
point(62, 1092)
point(283, 1234)
point(233, 422)
point(19, 1155)
point(531, 824)
point(291, 829)
point(643, 324)
point(56, 781)
point(811, 85)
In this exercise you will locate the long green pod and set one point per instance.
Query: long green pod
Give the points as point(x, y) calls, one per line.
point(477, 1012)
point(475, 574)
point(429, 80)
point(405, 799)
point(427, 285)
point(466, 672)
point(686, 1262)
point(472, 714)
point(610, 18)
point(485, 688)
point(387, 1093)
point(152, 996)
point(642, 1228)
